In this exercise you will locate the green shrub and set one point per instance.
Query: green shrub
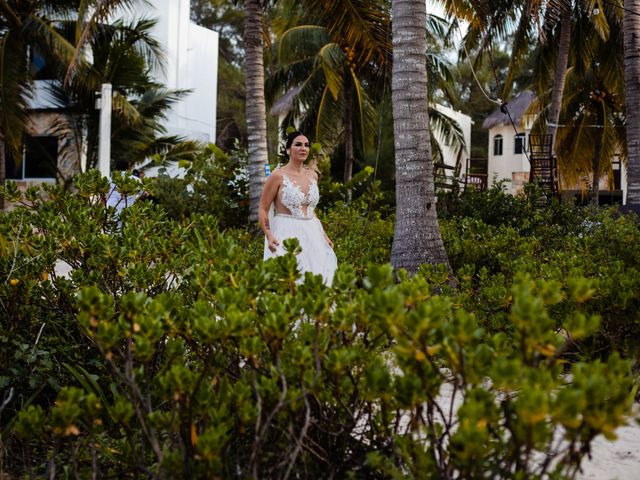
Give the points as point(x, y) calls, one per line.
point(523, 212)
point(175, 352)
point(215, 183)
point(486, 259)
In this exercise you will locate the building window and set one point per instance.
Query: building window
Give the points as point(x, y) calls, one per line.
point(519, 144)
point(42, 67)
point(40, 159)
point(497, 145)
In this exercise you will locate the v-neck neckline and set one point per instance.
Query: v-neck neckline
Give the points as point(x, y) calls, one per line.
point(295, 184)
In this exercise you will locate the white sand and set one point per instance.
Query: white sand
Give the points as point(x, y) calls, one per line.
point(615, 460)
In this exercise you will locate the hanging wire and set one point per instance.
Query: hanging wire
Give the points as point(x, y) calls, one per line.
point(466, 52)
point(504, 108)
point(621, 7)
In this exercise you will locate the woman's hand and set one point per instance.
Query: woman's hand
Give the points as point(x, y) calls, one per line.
point(272, 242)
point(328, 240)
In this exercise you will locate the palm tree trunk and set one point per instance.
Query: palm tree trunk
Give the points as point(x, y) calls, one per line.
point(560, 73)
point(348, 132)
point(417, 237)
point(631, 29)
point(3, 168)
point(595, 166)
point(348, 128)
point(255, 103)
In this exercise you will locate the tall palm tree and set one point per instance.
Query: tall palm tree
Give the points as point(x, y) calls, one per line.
point(631, 28)
point(255, 102)
point(123, 54)
point(417, 237)
point(24, 26)
point(546, 22)
point(336, 61)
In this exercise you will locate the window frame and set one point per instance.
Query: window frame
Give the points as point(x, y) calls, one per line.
point(21, 171)
point(498, 141)
point(522, 144)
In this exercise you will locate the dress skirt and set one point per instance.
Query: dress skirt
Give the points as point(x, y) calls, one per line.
point(316, 256)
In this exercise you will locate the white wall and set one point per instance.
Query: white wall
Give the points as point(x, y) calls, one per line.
point(503, 167)
point(449, 154)
point(191, 62)
point(41, 96)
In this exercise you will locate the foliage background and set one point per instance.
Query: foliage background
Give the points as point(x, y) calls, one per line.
point(171, 350)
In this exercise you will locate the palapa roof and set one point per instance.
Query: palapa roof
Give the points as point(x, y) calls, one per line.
point(517, 108)
point(284, 103)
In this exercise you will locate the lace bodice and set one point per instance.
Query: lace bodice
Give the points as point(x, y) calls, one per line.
point(300, 205)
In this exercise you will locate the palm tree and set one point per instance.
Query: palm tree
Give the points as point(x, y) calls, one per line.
point(334, 97)
point(331, 100)
point(122, 54)
point(631, 28)
point(526, 19)
point(594, 125)
point(591, 113)
point(417, 237)
point(35, 25)
point(335, 62)
point(255, 102)
point(24, 26)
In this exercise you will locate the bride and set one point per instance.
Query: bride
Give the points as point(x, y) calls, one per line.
point(293, 191)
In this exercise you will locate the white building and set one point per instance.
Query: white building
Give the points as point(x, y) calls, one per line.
point(508, 152)
point(450, 154)
point(508, 138)
point(190, 63)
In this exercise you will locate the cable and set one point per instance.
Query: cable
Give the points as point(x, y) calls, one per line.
point(466, 52)
point(621, 7)
point(504, 108)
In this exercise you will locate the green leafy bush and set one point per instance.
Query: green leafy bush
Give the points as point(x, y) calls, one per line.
point(487, 259)
point(215, 183)
point(171, 351)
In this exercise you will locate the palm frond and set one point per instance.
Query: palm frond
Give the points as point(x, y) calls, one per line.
point(448, 129)
point(329, 120)
point(123, 107)
point(301, 42)
point(332, 60)
point(98, 12)
point(15, 90)
point(600, 22)
point(366, 114)
point(361, 26)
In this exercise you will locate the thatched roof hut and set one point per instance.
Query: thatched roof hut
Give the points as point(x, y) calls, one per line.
point(517, 107)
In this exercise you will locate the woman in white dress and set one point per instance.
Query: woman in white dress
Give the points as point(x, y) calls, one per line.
point(293, 191)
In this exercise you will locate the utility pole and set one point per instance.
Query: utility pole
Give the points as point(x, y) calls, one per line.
point(103, 103)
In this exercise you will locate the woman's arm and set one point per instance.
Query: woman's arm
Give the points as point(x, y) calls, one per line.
point(269, 193)
point(314, 175)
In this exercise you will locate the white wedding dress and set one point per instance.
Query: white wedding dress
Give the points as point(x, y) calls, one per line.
point(317, 256)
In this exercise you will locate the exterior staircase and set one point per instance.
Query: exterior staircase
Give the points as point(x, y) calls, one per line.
point(544, 166)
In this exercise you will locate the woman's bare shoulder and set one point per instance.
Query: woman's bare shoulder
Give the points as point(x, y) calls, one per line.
point(276, 174)
point(311, 172)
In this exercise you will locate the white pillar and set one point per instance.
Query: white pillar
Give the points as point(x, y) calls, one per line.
point(104, 145)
